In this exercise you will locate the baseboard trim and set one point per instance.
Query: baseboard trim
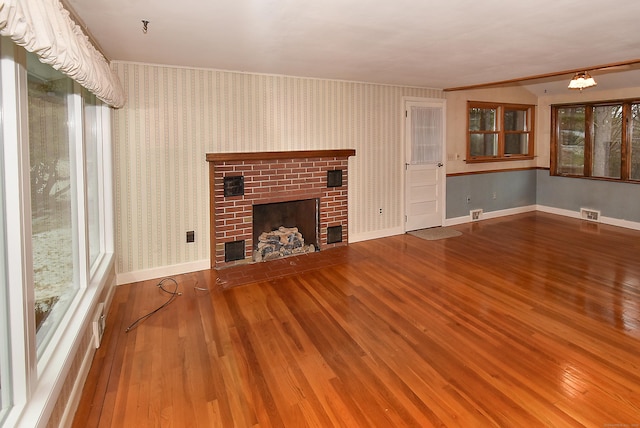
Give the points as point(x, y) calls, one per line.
point(627, 224)
point(384, 233)
point(457, 220)
point(76, 391)
point(78, 385)
point(558, 211)
point(490, 214)
point(162, 271)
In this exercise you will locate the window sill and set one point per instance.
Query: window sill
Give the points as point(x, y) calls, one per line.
point(498, 159)
point(56, 363)
point(611, 180)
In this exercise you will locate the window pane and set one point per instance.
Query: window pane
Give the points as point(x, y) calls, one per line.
point(571, 123)
point(52, 192)
point(482, 119)
point(426, 135)
point(607, 132)
point(484, 144)
point(635, 142)
point(516, 144)
point(515, 120)
point(91, 106)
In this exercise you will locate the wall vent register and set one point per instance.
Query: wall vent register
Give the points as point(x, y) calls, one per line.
point(233, 186)
point(234, 251)
point(334, 178)
point(334, 234)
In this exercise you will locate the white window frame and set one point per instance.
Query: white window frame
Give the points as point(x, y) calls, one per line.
point(36, 382)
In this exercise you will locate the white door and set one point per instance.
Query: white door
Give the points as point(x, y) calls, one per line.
point(424, 174)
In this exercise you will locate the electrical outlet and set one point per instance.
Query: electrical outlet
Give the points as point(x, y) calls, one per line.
point(380, 210)
point(468, 199)
point(494, 195)
point(191, 237)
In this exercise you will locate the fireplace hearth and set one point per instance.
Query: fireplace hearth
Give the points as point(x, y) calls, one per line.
point(297, 199)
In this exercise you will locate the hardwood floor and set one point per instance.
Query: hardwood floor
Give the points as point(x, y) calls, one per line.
point(528, 320)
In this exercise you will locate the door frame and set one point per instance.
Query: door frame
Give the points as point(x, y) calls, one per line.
point(443, 197)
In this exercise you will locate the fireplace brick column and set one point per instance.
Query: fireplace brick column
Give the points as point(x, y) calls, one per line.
point(269, 177)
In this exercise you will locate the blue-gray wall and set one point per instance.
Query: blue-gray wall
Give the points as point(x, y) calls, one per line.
point(515, 189)
point(613, 199)
point(512, 189)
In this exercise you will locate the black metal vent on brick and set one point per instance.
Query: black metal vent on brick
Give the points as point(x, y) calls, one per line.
point(233, 251)
point(334, 234)
point(334, 178)
point(234, 186)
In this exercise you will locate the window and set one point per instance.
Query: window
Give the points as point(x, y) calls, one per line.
point(607, 141)
point(499, 132)
point(596, 140)
point(570, 140)
point(56, 255)
point(53, 192)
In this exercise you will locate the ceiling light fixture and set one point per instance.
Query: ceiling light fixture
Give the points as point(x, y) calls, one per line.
point(582, 80)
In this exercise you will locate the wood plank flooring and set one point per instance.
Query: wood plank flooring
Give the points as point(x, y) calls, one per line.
point(524, 321)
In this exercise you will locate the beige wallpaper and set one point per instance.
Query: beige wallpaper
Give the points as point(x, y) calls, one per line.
point(457, 127)
point(174, 116)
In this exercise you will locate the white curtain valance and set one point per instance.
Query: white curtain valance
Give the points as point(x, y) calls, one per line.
point(45, 28)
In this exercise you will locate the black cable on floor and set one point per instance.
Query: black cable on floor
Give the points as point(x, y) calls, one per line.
point(173, 294)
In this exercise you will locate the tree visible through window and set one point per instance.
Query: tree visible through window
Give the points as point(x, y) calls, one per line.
point(52, 195)
point(607, 134)
point(57, 248)
point(570, 140)
point(600, 140)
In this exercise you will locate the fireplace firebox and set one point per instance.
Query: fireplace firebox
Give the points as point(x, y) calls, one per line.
point(291, 227)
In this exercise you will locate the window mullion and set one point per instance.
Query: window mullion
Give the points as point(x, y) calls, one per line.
point(79, 189)
point(625, 149)
point(501, 132)
point(588, 141)
point(553, 149)
point(105, 158)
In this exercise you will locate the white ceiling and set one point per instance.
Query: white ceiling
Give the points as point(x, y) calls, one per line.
point(437, 44)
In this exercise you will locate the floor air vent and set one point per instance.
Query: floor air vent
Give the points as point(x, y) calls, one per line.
point(591, 215)
point(99, 321)
point(475, 215)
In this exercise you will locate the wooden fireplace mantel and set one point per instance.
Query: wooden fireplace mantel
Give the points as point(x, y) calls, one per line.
point(297, 154)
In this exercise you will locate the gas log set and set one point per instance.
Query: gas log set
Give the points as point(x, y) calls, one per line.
point(284, 241)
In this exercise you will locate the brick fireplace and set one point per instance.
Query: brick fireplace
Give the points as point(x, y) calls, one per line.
point(238, 182)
